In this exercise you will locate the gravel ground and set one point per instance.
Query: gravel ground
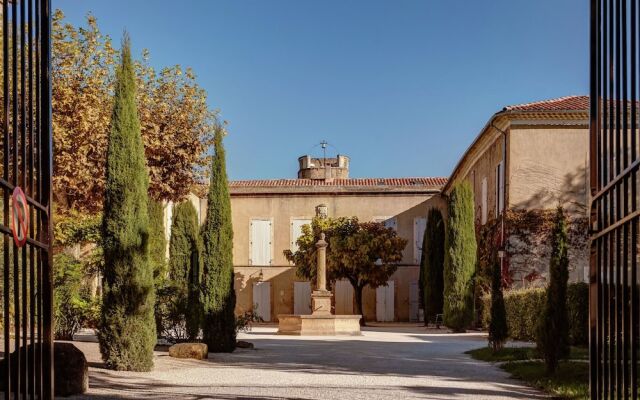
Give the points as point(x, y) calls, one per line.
point(390, 362)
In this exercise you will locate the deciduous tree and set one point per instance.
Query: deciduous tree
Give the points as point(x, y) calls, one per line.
point(177, 124)
point(364, 253)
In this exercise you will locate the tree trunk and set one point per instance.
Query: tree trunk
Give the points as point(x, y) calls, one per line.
point(358, 292)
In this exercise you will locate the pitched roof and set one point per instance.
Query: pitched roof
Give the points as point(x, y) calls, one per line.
point(567, 103)
point(361, 182)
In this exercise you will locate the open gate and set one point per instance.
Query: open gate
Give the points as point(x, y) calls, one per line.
point(615, 207)
point(25, 181)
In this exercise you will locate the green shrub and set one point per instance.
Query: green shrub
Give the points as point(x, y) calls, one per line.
point(460, 259)
point(70, 307)
point(127, 333)
point(524, 306)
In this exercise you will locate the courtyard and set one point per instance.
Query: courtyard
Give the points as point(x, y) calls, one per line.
point(386, 362)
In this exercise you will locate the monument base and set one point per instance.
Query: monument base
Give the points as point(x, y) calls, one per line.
point(319, 325)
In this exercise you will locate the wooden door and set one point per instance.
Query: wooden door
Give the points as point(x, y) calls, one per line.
point(385, 302)
point(262, 300)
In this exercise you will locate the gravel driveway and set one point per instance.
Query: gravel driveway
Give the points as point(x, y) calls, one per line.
point(401, 362)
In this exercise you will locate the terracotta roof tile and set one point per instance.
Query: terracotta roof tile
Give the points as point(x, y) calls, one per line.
point(428, 181)
point(567, 103)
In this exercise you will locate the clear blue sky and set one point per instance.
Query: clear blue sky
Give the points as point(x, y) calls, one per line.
point(401, 86)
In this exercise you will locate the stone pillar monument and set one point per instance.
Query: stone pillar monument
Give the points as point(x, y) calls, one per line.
point(321, 297)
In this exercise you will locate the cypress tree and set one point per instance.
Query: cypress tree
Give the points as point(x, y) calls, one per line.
point(127, 331)
point(184, 265)
point(553, 327)
point(219, 298)
point(498, 330)
point(158, 256)
point(460, 259)
point(433, 265)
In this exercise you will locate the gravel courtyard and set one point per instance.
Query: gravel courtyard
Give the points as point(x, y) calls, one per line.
point(384, 363)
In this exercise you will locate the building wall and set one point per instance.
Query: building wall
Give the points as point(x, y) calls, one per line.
point(549, 167)
point(281, 209)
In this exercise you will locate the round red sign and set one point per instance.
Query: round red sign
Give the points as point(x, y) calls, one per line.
point(19, 217)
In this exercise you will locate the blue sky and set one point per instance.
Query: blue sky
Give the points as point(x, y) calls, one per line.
point(400, 86)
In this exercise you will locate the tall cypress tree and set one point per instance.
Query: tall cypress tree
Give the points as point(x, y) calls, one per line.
point(158, 256)
point(127, 333)
point(498, 329)
point(553, 327)
point(184, 265)
point(433, 265)
point(460, 259)
point(219, 298)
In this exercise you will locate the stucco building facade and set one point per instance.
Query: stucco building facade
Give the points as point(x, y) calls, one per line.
point(527, 160)
point(268, 216)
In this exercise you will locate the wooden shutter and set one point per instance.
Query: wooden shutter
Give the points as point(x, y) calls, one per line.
point(419, 225)
point(260, 246)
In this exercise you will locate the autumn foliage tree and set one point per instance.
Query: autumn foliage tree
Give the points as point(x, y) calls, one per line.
point(170, 104)
point(364, 253)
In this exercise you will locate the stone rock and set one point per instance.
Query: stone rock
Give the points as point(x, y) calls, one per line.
point(70, 373)
point(241, 344)
point(196, 351)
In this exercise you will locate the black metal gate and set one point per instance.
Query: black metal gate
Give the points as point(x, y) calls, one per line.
point(615, 211)
point(25, 182)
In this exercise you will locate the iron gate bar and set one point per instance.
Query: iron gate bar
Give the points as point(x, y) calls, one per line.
point(27, 163)
point(614, 214)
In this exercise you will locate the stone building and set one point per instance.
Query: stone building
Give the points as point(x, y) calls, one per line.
point(528, 159)
point(268, 216)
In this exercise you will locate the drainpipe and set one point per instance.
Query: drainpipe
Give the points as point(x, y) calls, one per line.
point(504, 194)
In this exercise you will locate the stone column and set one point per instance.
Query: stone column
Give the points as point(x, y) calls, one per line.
point(321, 297)
point(321, 264)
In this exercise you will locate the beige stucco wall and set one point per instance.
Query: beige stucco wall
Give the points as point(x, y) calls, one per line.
point(549, 166)
point(281, 209)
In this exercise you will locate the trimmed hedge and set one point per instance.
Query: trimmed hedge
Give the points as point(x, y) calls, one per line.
point(524, 306)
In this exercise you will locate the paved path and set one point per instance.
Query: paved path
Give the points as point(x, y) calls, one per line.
point(384, 363)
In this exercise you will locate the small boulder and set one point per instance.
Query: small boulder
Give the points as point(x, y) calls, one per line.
point(196, 351)
point(241, 344)
point(70, 372)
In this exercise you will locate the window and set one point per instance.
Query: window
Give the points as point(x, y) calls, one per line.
point(419, 225)
point(483, 211)
point(260, 242)
point(296, 231)
point(500, 188)
point(389, 222)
